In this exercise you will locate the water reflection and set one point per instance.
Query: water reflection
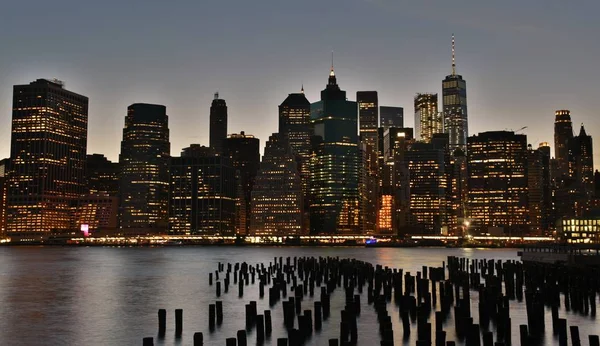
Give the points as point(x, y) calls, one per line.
point(110, 296)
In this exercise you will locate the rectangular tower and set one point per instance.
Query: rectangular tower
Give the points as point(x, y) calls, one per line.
point(428, 121)
point(48, 155)
point(368, 107)
point(391, 117)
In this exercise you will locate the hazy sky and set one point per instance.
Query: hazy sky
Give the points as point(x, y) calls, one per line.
point(521, 59)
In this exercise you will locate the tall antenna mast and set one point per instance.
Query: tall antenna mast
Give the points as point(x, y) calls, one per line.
point(453, 57)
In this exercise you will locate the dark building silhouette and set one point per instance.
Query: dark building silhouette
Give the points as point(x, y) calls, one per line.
point(202, 193)
point(277, 206)
point(368, 109)
point(428, 121)
point(457, 192)
point(497, 164)
point(218, 124)
point(581, 161)
point(244, 155)
point(102, 175)
point(144, 161)
point(3, 172)
point(563, 133)
point(294, 123)
point(334, 202)
point(539, 189)
point(454, 98)
point(391, 117)
point(47, 160)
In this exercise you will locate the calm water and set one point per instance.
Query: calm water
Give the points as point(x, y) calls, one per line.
point(110, 296)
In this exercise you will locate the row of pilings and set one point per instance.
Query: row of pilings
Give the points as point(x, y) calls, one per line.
point(498, 284)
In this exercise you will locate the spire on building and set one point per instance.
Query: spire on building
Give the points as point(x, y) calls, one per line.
point(582, 131)
point(453, 57)
point(302, 89)
point(332, 72)
point(217, 95)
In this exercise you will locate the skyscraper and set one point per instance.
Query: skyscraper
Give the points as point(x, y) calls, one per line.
point(334, 206)
point(47, 160)
point(368, 108)
point(563, 133)
point(277, 194)
point(497, 165)
point(294, 123)
point(218, 124)
point(144, 160)
point(428, 121)
point(428, 186)
point(391, 117)
point(368, 187)
point(3, 171)
point(102, 175)
point(394, 184)
point(244, 155)
point(581, 161)
point(454, 93)
point(202, 193)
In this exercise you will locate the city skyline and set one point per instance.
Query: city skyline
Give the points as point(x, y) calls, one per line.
point(496, 57)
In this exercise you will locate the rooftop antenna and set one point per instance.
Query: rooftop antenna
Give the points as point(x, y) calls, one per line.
point(302, 89)
point(453, 57)
point(332, 73)
point(217, 95)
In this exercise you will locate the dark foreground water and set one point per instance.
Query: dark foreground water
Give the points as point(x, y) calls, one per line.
point(110, 296)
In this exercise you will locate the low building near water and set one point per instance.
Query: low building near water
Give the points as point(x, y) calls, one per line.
point(583, 229)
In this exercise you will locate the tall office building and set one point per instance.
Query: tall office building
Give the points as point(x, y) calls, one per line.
point(334, 204)
point(563, 133)
point(202, 193)
point(47, 158)
point(294, 123)
point(428, 121)
point(581, 161)
point(277, 194)
point(454, 94)
point(368, 187)
point(427, 166)
point(243, 152)
point(394, 185)
point(368, 108)
point(457, 189)
point(3, 171)
point(218, 124)
point(102, 175)
point(391, 117)
point(548, 220)
point(497, 164)
point(144, 161)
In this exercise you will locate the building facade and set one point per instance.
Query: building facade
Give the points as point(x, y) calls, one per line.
point(144, 161)
point(428, 121)
point(244, 155)
point(277, 206)
point(563, 133)
point(391, 117)
point(47, 160)
point(218, 124)
point(334, 206)
point(102, 175)
point(368, 117)
point(497, 164)
point(394, 185)
point(427, 165)
point(202, 194)
point(294, 123)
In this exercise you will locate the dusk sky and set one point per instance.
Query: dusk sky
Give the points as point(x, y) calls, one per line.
point(522, 60)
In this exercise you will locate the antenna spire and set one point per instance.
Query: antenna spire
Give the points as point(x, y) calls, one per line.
point(332, 72)
point(216, 95)
point(302, 89)
point(453, 57)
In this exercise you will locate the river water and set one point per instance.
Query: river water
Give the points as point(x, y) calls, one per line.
point(110, 296)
